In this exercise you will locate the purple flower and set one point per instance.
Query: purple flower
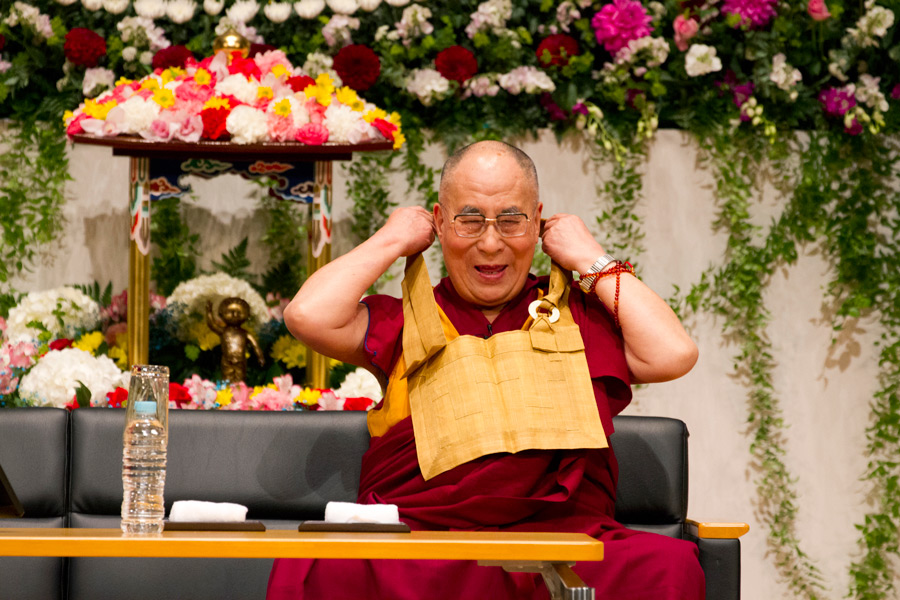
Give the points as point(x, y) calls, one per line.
point(836, 101)
point(755, 13)
point(556, 112)
point(855, 127)
point(895, 93)
point(581, 109)
point(620, 22)
point(742, 92)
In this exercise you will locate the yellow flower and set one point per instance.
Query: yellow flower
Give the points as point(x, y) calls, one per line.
point(289, 351)
point(322, 95)
point(96, 110)
point(120, 356)
point(399, 139)
point(264, 91)
point(202, 77)
point(394, 118)
point(283, 108)
point(279, 70)
point(206, 337)
point(324, 81)
point(223, 397)
point(217, 102)
point(123, 81)
point(165, 98)
point(347, 95)
point(375, 114)
point(89, 342)
point(171, 74)
point(308, 396)
point(150, 84)
point(68, 116)
point(334, 363)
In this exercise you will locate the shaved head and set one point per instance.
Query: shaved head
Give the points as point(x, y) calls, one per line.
point(488, 149)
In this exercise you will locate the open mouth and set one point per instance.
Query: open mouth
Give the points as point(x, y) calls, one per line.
point(491, 271)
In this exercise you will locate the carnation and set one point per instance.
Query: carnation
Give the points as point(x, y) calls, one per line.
point(456, 64)
point(277, 12)
point(427, 85)
point(309, 9)
point(64, 311)
point(620, 22)
point(115, 7)
point(53, 381)
point(343, 7)
point(242, 11)
point(173, 56)
point(754, 13)
point(247, 125)
point(181, 11)
point(359, 384)
point(700, 60)
point(84, 47)
point(150, 9)
point(345, 124)
point(139, 113)
point(358, 66)
point(239, 86)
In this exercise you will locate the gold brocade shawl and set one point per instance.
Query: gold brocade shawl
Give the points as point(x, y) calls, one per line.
point(517, 390)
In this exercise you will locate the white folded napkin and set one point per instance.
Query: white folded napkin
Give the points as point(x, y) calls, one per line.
point(348, 512)
point(207, 512)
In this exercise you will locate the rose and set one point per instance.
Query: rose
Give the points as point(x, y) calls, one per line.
point(173, 56)
point(313, 134)
point(556, 50)
point(84, 47)
point(456, 64)
point(685, 29)
point(817, 10)
point(358, 66)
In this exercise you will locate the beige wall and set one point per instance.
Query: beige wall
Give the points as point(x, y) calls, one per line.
point(824, 388)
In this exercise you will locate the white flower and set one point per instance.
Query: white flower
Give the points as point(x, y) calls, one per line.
point(242, 28)
point(115, 7)
point(427, 84)
point(397, 3)
point(414, 22)
point(242, 11)
point(277, 12)
point(5, 65)
point(345, 124)
point(129, 53)
point(482, 85)
point(700, 60)
point(213, 7)
point(359, 384)
point(491, 16)
point(240, 87)
point(146, 58)
point(92, 5)
point(868, 93)
point(181, 11)
point(31, 16)
point(528, 79)
point(53, 380)
point(317, 63)
point(139, 113)
point(337, 31)
point(343, 7)
point(66, 2)
point(150, 9)
point(247, 125)
point(140, 31)
point(75, 308)
point(872, 25)
point(784, 75)
point(653, 49)
point(309, 9)
point(369, 5)
point(97, 80)
point(194, 293)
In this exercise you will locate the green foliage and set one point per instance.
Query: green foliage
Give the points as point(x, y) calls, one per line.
point(285, 240)
point(93, 291)
point(175, 247)
point(368, 190)
point(235, 262)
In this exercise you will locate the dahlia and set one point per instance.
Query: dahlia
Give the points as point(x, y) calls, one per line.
point(358, 66)
point(456, 64)
point(754, 13)
point(84, 47)
point(620, 22)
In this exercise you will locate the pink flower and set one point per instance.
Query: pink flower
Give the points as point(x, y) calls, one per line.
point(314, 134)
point(620, 22)
point(191, 92)
point(2, 324)
point(267, 60)
point(114, 331)
point(240, 396)
point(161, 131)
point(755, 13)
point(269, 399)
point(74, 127)
point(817, 10)
point(191, 129)
point(281, 128)
point(685, 29)
point(895, 93)
point(855, 127)
point(316, 111)
point(20, 354)
point(8, 383)
point(837, 101)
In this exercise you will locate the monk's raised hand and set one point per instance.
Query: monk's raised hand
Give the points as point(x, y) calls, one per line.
point(568, 241)
point(410, 230)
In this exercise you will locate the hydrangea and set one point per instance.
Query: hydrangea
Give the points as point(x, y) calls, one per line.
point(754, 13)
point(63, 311)
point(414, 23)
point(359, 384)
point(490, 16)
point(427, 85)
point(52, 382)
point(337, 31)
point(528, 79)
point(620, 22)
point(700, 60)
point(193, 294)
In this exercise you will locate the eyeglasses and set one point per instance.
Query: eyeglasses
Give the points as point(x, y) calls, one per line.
point(508, 225)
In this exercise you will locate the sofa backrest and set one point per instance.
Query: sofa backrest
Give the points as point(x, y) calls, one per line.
point(33, 444)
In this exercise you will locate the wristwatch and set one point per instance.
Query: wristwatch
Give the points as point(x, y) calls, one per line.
point(599, 265)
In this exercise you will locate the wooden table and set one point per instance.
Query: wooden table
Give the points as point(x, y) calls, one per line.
point(141, 152)
point(550, 554)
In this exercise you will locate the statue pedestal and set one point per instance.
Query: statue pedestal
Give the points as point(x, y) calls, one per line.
point(303, 174)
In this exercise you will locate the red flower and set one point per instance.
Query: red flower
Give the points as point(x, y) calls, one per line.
point(299, 83)
point(555, 45)
point(214, 122)
point(179, 394)
point(259, 49)
point(386, 128)
point(2, 41)
point(456, 63)
point(357, 403)
point(84, 48)
point(173, 56)
point(60, 344)
point(115, 398)
point(72, 404)
point(313, 134)
point(358, 66)
point(247, 66)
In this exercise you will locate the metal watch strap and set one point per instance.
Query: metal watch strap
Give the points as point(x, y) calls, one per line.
point(599, 265)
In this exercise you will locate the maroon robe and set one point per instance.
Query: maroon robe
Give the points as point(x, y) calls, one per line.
point(533, 490)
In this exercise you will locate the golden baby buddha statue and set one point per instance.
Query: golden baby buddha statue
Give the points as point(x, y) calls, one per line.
point(235, 339)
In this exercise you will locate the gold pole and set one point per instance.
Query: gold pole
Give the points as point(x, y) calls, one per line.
point(318, 254)
point(139, 263)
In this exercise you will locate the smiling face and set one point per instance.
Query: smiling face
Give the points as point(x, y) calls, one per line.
point(489, 270)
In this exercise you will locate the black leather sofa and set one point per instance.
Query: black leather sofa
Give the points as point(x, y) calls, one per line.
point(285, 466)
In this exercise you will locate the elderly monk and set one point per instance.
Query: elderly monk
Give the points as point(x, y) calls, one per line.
point(488, 223)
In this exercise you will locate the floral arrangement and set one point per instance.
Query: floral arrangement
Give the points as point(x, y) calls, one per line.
point(71, 352)
point(228, 97)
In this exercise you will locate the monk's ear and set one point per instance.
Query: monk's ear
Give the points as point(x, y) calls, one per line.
point(439, 217)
